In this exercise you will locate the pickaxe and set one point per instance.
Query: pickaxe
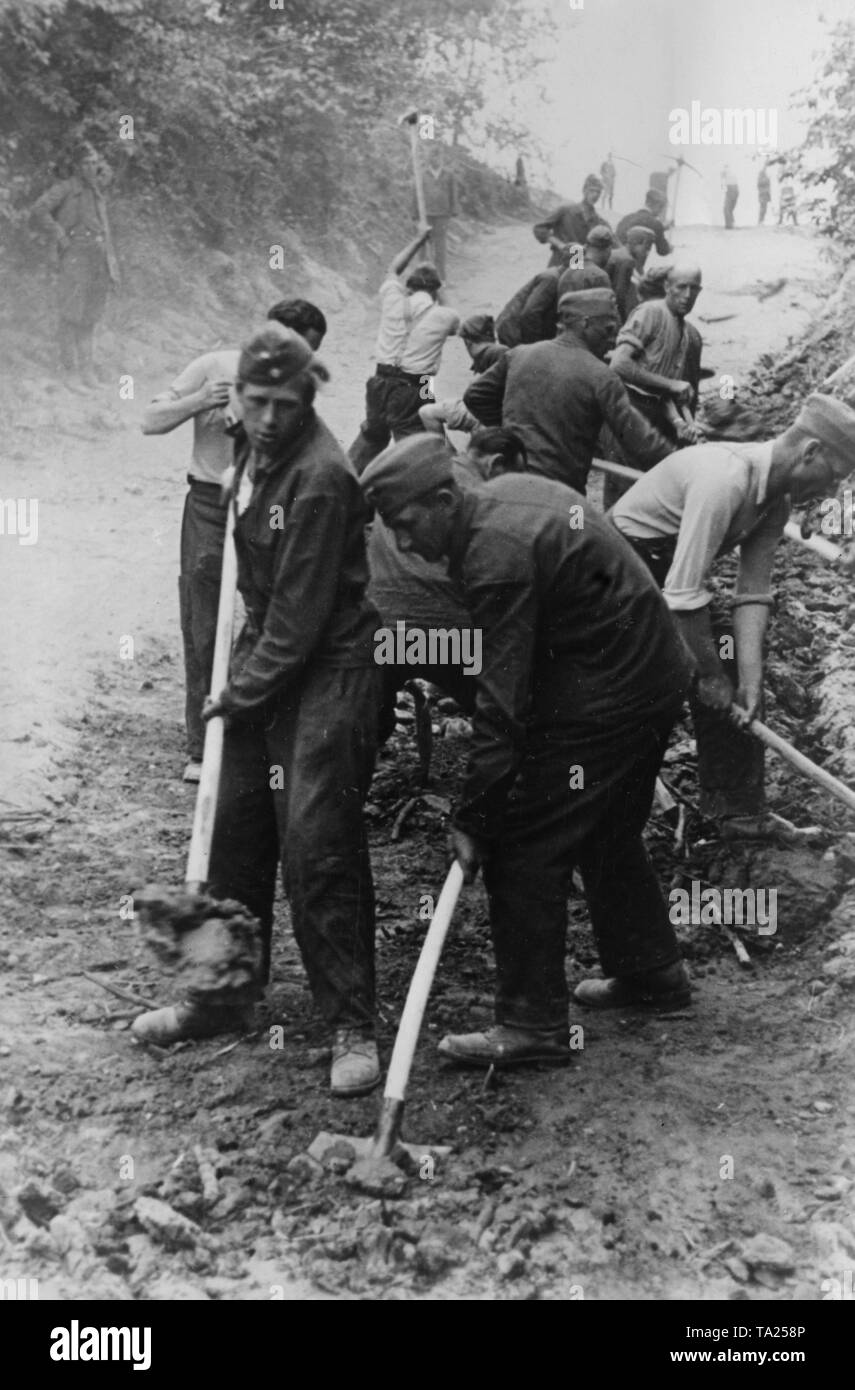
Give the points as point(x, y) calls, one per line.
point(680, 162)
point(411, 118)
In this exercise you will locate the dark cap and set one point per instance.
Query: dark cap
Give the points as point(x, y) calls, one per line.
point(274, 355)
point(600, 236)
point(406, 472)
point(587, 304)
point(479, 328)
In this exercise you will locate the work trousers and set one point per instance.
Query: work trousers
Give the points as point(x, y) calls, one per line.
point(437, 247)
point(203, 529)
point(731, 196)
point(731, 764)
point(392, 404)
point(82, 285)
point(553, 824)
point(292, 788)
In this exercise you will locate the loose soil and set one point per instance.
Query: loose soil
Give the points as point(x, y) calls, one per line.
point(700, 1155)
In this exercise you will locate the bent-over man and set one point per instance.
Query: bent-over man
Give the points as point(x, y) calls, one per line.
point(583, 677)
point(558, 395)
point(701, 503)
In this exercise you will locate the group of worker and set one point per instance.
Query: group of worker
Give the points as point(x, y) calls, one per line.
point(595, 628)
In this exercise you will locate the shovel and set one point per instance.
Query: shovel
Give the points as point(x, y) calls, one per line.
point(374, 1155)
point(176, 922)
point(212, 756)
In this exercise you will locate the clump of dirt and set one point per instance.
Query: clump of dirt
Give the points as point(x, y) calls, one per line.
point(213, 946)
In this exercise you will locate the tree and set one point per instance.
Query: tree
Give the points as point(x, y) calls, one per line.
point(827, 158)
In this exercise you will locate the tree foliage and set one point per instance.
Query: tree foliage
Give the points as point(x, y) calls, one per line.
point(827, 158)
point(248, 115)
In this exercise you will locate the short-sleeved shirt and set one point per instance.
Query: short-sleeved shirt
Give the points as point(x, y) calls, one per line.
point(711, 497)
point(212, 447)
point(398, 310)
point(661, 337)
point(422, 350)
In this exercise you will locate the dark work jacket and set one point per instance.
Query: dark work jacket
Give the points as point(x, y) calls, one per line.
point(576, 638)
point(302, 569)
point(531, 315)
point(557, 396)
point(569, 222)
point(621, 268)
point(645, 218)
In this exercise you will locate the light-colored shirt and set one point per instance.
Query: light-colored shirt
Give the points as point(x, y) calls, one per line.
point(422, 352)
point(712, 497)
point(659, 336)
point(212, 447)
point(398, 311)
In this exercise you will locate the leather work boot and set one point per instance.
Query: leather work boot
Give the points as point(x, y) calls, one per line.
point(355, 1064)
point(662, 990)
point(501, 1046)
point(190, 1020)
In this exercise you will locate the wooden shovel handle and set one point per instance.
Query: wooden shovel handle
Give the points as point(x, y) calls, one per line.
point(802, 764)
point(417, 997)
point(212, 758)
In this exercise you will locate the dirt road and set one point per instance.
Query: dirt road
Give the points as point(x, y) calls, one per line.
point(699, 1156)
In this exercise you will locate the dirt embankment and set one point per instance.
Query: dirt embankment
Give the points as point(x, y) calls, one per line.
point(702, 1155)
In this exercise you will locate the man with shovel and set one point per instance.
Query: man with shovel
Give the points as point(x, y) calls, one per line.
point(301, 708)
point(583, 677)
point(694, 506)
point(202, 392)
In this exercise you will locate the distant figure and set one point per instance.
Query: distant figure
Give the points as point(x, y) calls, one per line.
point(652, 215)
point(607, 174)
point(74, 215)
point(571, 222)
point(731, 194)
point(440, 184)
point(659, 183)
point(519, 178)
point(764, 194)
point(787, 204)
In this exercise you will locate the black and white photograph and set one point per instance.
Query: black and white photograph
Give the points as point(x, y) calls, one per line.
point(427, 697)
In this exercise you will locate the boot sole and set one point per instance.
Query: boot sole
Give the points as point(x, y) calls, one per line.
point(365, 1089)
point(665, 1005)
point(467, 1060)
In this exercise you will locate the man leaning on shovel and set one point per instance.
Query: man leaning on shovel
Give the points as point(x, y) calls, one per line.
point(301, 709)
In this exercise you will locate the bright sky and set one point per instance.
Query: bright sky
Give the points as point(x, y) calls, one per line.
point(621, 66)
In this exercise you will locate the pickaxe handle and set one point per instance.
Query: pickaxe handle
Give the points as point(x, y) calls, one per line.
point(417, 171)
point(802, 764)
